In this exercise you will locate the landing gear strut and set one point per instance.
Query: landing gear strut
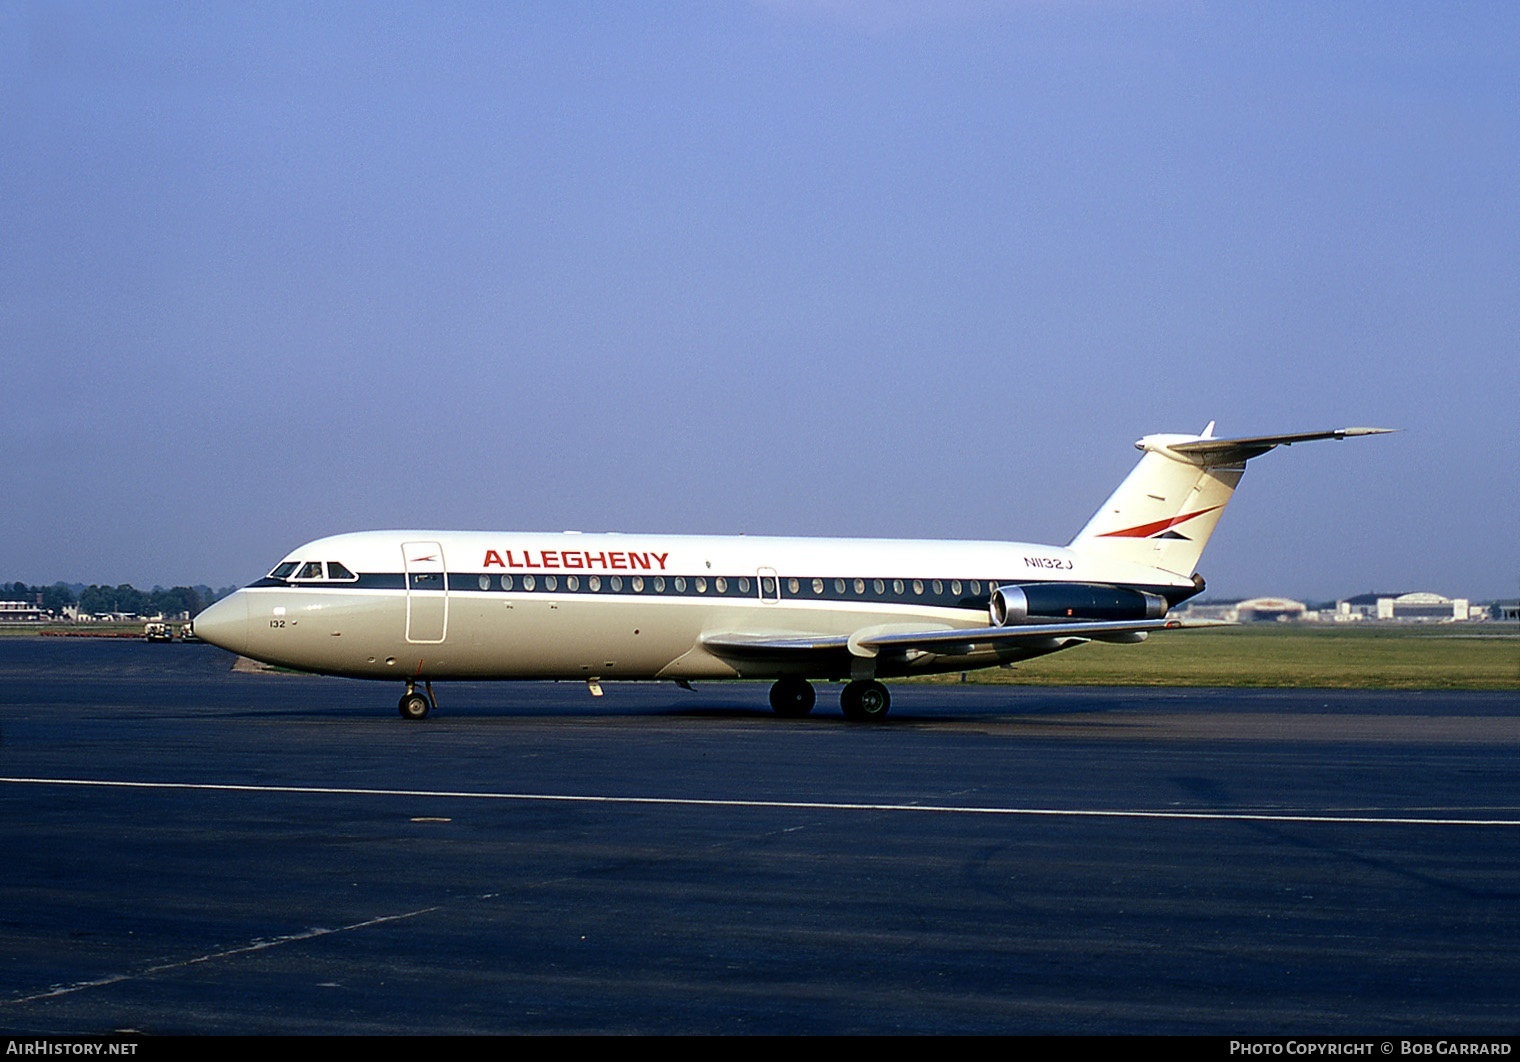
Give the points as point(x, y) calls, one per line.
point(865, 702)
point(416, 705)
point(792, 698)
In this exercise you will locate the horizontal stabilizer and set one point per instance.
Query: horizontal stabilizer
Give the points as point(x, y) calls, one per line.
point(1229, 451)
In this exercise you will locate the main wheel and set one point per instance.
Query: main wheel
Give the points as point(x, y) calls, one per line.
point(865, 702)
point(792, 698)
point(415, 705)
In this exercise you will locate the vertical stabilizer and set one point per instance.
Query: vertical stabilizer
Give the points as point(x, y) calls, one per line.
point(1165, 510)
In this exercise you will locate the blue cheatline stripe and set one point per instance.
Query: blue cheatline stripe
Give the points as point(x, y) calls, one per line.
point(951, 593)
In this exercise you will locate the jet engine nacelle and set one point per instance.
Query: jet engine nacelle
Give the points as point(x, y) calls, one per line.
point(1053, 602)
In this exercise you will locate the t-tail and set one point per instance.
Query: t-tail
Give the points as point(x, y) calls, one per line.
point(1165, 510)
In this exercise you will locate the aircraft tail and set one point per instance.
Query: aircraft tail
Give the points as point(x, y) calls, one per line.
point(1165, 510)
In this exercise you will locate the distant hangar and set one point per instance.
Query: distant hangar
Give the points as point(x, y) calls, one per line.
point(1418, 606)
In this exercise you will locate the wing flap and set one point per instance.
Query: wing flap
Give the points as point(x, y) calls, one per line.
point(759, 645)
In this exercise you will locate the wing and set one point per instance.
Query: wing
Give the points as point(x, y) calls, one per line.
point(945, 641)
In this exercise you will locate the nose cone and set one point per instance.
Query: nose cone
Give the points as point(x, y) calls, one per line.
point(225, 623)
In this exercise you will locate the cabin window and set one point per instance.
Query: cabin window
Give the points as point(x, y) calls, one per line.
point(743, 586)
point(283, 570)
point(638, 584)
point(680, 585)
point(572, 582)
point(616, 582)
point(838, 586)
point(879, 586)
point(817, 586)
point(485, 582)
point(976, 586)
point(939, 587)
point(897, 586)
point(594, 582)
point(529, 582)
point(659, 584)
point(701, 585)
point(506, 582)
point(955, 587)
point(720, 584)
point(918, 586)
point(551, 583)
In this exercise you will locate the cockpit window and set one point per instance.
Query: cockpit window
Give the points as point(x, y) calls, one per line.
point(311, 571)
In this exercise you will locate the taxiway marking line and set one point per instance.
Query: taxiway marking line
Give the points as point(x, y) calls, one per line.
point(800, 805)
point(212, 956)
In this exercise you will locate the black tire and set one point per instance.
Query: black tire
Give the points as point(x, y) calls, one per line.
point(415, 706)
point(792, 698)
point(865, 702)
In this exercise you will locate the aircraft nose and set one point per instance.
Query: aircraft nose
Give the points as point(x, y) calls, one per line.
point(225, 623)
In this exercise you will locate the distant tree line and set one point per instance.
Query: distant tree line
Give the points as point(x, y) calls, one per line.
point(123, 598)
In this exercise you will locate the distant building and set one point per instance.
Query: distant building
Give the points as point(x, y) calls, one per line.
point(1415, 607)
point(1253, 610)
point(1272, 610)
point(1227, 611)
point(1360, 607)
point(22, 612)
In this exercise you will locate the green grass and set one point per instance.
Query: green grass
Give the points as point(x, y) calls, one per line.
point(81, 630)
point(1485, 657)
point(1394, 657)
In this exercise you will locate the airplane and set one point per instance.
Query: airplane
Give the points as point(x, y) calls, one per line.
point(423, 606)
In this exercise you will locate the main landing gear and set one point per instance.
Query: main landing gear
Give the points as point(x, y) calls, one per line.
point(865, 702)
point(416, 705)
point(792, 698)
point(862, 701)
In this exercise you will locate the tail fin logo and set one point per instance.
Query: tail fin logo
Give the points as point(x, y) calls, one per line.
point(1160, 528)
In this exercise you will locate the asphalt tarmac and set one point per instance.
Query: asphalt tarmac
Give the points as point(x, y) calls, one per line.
point(188, 849)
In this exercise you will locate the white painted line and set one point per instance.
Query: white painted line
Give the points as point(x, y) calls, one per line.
point(256, 945)
point(801, 805)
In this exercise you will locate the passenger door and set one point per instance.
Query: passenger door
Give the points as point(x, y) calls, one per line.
point(427, 592)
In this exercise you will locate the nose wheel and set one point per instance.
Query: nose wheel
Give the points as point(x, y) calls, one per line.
point(416, 705)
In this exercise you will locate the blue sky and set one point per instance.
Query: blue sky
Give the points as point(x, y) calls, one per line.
point(275, 270)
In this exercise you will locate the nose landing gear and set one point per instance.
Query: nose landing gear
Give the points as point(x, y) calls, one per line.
point(416, 705)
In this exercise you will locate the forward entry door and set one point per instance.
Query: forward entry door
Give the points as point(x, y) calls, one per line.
point(427, 592)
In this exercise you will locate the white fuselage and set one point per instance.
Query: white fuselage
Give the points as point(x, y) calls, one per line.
point(427, 605)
